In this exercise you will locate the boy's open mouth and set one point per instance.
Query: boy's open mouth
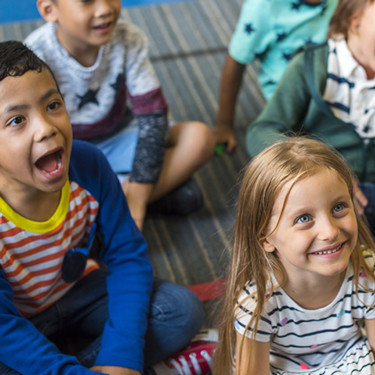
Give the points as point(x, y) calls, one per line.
point(103, 26)
point(50, 163)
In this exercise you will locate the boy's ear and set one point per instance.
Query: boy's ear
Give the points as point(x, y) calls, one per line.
point(268, 246)
point(47, 9)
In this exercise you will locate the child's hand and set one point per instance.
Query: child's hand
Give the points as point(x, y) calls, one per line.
point(114, 370)
point(225, 134)
point(137, 196)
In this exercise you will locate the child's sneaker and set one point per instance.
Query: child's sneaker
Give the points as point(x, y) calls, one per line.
point(194, 359)
point(183, 200)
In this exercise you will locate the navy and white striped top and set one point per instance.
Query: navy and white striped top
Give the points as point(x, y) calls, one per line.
point(304, 339)
point(348, 92)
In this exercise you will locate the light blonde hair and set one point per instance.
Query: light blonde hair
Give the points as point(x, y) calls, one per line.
point(289, 160)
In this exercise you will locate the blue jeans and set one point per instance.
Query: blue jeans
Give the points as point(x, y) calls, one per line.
point(176, 314)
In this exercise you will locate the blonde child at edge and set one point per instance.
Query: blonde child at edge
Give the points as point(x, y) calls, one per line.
point(102, 65)
point(302, 271)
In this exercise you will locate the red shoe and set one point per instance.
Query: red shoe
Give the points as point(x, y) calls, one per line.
point(194, 359)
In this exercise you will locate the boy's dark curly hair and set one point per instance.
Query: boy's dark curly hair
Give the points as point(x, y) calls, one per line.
point(16, 59)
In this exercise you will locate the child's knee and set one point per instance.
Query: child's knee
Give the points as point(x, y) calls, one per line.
point(201, 140)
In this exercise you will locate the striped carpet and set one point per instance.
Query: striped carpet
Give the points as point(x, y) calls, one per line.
point(188, 42)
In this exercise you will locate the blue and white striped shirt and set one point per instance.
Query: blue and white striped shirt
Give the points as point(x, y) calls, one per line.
point(304, 340)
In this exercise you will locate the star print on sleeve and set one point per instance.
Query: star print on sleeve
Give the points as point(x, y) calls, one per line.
point(297, 4)
point(287, 56)
point(88, 97)
point(249, 28)
point(117, 85)
point(259, 55)
point(281, 36)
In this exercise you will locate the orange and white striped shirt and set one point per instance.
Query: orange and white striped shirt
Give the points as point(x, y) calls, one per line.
point(32, 253)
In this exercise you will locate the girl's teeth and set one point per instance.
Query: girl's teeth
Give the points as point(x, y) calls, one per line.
point(328, 251)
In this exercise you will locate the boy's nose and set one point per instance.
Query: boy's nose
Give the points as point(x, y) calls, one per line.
point(44, 130)
point(103, 8)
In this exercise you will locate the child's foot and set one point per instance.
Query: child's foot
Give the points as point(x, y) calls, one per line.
point(181, 201)
point(194, 359)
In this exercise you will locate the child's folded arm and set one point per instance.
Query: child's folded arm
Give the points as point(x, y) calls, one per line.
point(284, 112)
point(24, 348)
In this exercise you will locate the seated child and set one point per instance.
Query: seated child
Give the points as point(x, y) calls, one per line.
point(58, 198)
point(328, 91)
point(100, 62)
point(301, 281)
point(268, 31)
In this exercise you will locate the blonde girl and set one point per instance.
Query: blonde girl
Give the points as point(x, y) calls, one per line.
point(301, 278)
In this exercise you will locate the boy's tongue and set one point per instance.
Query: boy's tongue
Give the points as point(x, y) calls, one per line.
point(48, 163)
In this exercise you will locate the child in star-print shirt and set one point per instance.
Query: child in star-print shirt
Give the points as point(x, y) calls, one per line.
point(268, 31)
point(115, 100)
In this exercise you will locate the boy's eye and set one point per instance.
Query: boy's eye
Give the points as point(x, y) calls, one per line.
point(54, 105)
point(16, 121)
point(303, 219)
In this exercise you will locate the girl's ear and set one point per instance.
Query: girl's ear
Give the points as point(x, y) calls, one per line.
point(268, 246)
point(47, 9)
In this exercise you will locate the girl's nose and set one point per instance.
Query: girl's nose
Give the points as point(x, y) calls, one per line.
point(328, 230)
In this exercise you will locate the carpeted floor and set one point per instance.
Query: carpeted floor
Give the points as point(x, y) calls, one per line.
point(188, 42)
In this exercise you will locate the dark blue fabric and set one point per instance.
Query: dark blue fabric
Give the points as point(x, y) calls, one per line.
point(176, 314)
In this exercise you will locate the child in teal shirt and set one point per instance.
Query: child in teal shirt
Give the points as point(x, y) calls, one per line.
point(268, 31)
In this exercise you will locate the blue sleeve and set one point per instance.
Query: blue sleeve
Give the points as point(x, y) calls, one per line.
point(254, 32)
point(24, 348)
point(129, 283)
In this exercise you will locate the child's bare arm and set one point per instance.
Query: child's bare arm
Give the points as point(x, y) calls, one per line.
point(231, 80)
point(370, 330)
point(114, 370)
point(137, 196)
point(256, 363)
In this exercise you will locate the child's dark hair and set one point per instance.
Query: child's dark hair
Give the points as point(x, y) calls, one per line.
point(16, 59)
point(345, 11)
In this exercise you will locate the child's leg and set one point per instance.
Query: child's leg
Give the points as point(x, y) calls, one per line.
point(176, 315)
point(4, 370)
point(191, 144)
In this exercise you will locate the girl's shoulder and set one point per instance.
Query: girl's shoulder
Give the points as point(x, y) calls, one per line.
point(248, 297)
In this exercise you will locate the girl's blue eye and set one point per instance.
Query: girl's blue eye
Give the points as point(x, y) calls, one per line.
point(304, 219)
point(339, 207)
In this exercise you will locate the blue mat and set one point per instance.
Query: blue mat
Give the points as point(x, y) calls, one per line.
point(26, 9)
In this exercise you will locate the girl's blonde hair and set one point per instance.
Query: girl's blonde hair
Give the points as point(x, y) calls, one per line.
point(343, 15)
point(290, 160)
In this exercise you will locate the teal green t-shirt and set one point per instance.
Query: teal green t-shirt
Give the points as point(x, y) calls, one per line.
point(272, 30)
